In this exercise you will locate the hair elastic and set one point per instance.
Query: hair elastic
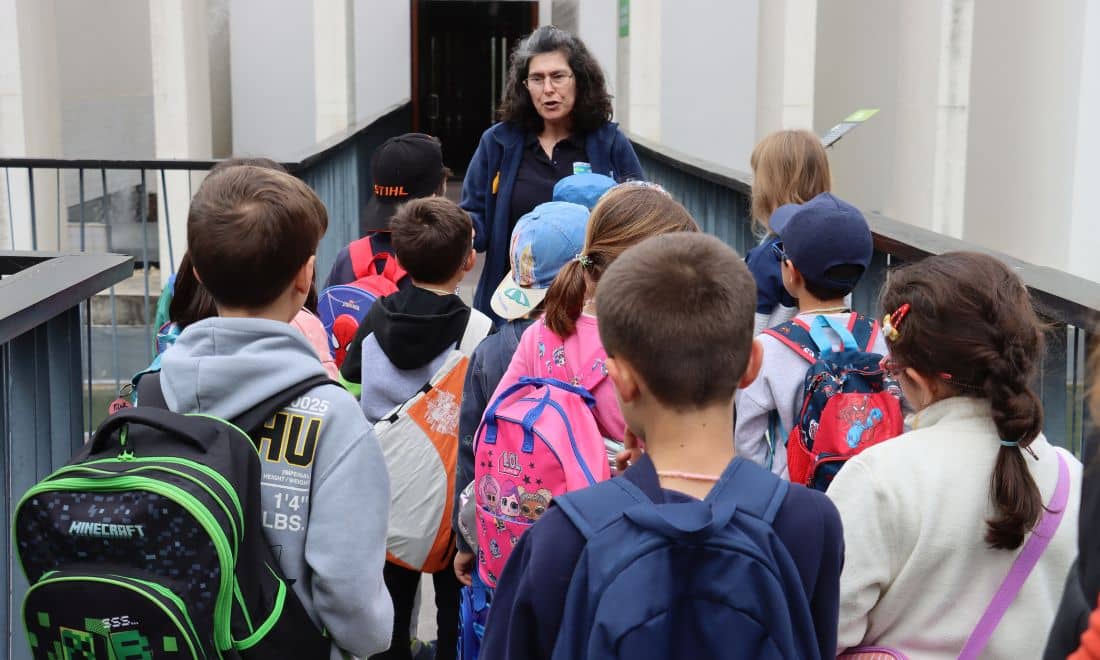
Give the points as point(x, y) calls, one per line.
point(583, 259)
point(892, 322)
point(1010, 443)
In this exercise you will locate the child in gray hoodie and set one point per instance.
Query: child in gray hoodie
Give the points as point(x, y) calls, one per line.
point(406, 338)
point(252, 235)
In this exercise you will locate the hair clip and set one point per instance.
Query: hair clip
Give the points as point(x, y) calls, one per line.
point(891, 322)
point(582, 258)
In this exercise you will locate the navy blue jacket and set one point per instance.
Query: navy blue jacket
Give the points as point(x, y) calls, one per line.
point(765, 269)
point(487, 366)
point(530, 598)
point(497, 161)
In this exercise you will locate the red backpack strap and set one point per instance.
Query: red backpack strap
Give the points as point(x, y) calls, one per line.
point(362, 257)
point(795, 335)
point(391, 269)
point(874, 336)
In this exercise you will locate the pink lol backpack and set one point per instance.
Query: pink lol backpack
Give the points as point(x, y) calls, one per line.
point(538, 439)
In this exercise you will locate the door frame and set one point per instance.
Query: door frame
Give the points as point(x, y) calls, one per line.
point(414, 45)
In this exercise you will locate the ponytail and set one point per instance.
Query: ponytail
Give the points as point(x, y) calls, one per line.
point(565, 299)
point(970, 323)
point(1018, 414)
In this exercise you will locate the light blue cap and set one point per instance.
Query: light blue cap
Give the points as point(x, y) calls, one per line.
point(583, 189)
point(544, 240)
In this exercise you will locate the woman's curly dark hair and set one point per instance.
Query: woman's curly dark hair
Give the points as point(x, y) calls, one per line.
point(592, 108)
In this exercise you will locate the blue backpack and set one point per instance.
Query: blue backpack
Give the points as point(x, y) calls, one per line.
point(849, 403)
point(698, 579)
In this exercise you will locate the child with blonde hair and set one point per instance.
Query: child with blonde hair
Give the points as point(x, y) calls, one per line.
point(788, 167)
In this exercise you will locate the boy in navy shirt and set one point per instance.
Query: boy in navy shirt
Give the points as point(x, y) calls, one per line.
point(676, 318)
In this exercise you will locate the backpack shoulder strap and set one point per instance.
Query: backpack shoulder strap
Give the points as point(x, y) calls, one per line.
point(593, 508)
point(1024, 564)
point(751, 488)
point(362, 257)
point(477, 328)
point(795, 336)
point(864, 330)
point(251, 419)
point(149, 392)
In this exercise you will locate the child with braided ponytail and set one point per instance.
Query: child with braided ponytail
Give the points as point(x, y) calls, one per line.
point(972, 510)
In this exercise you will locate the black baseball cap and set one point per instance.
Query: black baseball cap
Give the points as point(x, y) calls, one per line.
point(405, 167)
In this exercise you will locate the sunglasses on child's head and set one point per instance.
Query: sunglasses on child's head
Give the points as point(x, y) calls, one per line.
point(777, 249)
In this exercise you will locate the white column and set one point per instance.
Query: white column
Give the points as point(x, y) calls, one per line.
point(645, 68)
point(785, 65)
point(182, 111)
point(30, 123)
point(331, 40)
point(1084, 231)
point(952, 116)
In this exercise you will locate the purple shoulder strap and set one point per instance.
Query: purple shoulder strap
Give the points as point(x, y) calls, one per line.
point(1022, 567)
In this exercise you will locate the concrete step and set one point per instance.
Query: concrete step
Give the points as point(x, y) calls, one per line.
point(129, 300)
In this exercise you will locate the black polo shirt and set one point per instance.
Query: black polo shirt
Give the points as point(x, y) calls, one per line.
point(538, 174)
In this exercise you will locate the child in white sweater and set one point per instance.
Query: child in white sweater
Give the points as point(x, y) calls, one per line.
point(935, 519)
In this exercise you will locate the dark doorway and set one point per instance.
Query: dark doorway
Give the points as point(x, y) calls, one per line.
point(460, 62)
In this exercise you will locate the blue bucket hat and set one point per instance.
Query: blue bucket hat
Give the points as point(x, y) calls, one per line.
point(583, 189)
point(544, 240)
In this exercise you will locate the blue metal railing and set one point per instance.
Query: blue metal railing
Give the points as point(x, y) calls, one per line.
point(64, 351)
point(718, 198)
point(41, 404)
point(112, 206)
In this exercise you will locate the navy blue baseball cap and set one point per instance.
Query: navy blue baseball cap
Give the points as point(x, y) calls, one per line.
point(544, 240)
point(822, 234)
point(584, 189)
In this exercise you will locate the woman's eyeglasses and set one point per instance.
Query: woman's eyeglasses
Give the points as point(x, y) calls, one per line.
point(557, 80)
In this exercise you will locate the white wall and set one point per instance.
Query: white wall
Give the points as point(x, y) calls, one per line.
point(1023, 127)
point(106, 78)
point(383, 56)
point(272, 64)
point(598, 28)
point(708, 79)
point(859, 71)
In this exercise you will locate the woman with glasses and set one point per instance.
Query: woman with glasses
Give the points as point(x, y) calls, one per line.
point(555, 121)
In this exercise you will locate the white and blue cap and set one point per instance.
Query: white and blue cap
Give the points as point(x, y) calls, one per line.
point(544, 240)
point(583, 189)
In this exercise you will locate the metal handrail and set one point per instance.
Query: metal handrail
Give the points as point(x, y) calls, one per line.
point(1058, 294)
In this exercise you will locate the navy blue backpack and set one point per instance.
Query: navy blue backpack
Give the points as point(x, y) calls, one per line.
point(699, 579)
